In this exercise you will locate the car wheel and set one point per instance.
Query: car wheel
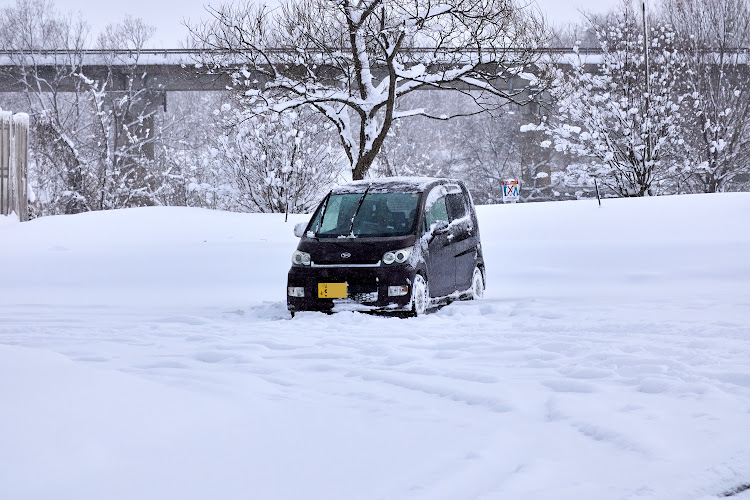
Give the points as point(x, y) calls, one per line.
point(477, 284)
point(420, 297)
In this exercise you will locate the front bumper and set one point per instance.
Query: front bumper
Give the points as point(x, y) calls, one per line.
point(366, 287)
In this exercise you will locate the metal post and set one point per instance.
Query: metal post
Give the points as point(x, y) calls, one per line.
point(645, 44)
point(647, 156)
point(596, 186)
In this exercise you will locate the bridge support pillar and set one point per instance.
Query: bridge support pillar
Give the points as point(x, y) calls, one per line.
point(134, 142)
point(537, 170)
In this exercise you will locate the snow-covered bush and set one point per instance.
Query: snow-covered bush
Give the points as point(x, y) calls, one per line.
point(276, 163)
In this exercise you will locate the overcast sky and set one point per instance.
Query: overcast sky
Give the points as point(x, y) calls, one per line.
point(168, 15)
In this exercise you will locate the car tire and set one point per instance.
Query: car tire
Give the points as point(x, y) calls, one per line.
point(477, 285)
point(420, 296)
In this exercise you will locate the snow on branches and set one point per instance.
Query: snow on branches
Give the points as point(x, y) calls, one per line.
point(624, 115)
point(276, 163)
point(713, 36)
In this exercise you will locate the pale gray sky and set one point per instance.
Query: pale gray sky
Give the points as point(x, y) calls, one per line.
point(167, 15)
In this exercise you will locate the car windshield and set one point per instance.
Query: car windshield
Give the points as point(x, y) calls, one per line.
point(366, 214)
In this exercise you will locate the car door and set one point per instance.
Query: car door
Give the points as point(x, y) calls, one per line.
point(440, 261)
point(463, 244)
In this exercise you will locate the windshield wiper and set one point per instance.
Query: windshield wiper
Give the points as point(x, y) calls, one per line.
point(361, 200)
point(322, 213)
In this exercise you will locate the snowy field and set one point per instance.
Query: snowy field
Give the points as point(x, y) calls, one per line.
point(148, 354)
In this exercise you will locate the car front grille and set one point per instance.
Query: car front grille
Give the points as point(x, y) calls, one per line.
point(347, 262)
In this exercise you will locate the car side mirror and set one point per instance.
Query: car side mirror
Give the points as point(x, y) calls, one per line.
point(436, 228)
point(299, 229)
point(441, 227)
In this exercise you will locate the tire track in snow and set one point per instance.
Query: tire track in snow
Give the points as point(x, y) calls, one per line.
point(459, 396)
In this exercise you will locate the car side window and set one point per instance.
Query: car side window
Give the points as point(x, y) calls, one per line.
point(456, 206)
point(437, 212)
point(331, 217)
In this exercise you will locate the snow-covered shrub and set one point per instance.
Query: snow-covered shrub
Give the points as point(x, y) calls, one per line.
point(276, 163)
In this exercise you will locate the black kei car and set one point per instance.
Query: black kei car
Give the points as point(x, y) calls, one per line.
point(398, 244)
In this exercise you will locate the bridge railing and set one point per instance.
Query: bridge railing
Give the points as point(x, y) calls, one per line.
point(14, 134)
point(129, 53)
point(191, 56)
point(10, 59)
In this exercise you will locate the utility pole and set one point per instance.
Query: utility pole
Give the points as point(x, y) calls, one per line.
point(647, 155)
point(645, 45)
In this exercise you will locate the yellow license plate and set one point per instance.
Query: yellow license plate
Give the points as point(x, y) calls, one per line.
point(332, 290)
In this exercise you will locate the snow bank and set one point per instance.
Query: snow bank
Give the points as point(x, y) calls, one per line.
point(156, 255)
point(8, 219)
point(684, 244)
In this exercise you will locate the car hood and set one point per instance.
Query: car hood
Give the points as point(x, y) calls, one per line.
point(352, 250)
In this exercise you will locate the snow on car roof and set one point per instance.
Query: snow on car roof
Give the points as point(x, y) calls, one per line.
point(388, 185)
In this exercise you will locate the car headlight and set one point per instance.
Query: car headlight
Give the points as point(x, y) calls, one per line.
point(300, 258)
point(397, 256)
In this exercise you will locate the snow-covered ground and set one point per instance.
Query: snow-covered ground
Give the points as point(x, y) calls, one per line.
point(148, 354)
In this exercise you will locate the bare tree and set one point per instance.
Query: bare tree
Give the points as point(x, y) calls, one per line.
point(579, 34)
point(495, 148)
point(713, 36)
point(351, 62)
point(418, 145)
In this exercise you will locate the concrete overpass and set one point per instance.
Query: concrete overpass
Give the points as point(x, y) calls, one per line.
point(166, 70)
point(156, 73)
point(179, 70)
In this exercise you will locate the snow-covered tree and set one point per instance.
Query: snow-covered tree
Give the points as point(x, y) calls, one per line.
point(90, 148)
point(276, 163)
point(624, 115)
point(56, 100)
point(713, 36)
point(125, 131)
point(187, 153)
point(493, 149)
point(351, 62)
